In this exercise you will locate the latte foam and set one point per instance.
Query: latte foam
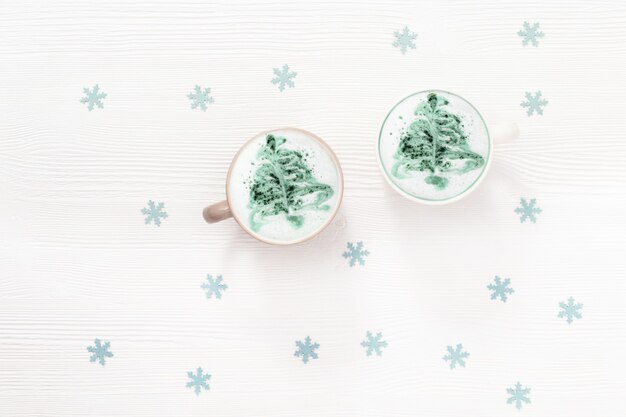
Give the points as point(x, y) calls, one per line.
point(284, 186)
point(434, 146)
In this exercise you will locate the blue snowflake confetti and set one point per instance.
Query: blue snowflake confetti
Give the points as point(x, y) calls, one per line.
point(214, 286)
point(456, 356)
point(534, 103)
point(306, 350)
point(100, 351)
point(518, 395)
point(284, 77)
point(404, 40)
point(200, 98)
point(374, 343)
point(356, 253)
point(154, 213)
point(571, 310)
point(530, 34)
point(198, 381)
point(93, 98)
point(527, 210)
point(500, 289)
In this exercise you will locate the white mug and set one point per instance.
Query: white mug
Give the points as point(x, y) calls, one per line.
point(435, 148)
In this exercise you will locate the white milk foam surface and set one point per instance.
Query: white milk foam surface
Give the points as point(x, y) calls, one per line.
point(277, 228)
point(397, 123)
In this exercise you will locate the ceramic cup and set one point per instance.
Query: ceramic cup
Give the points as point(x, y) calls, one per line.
point(434, 147)
point(283, 187)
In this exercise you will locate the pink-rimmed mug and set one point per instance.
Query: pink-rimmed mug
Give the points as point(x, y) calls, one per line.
point(283, 187)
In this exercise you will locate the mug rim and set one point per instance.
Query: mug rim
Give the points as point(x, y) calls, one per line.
point(427, 201)
point(335, 160)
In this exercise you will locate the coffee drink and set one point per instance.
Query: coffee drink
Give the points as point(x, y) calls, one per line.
point(434, 146)
point(284, 185)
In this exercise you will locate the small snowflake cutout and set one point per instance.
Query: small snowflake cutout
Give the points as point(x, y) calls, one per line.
point(374, 343)
point(284, 77)
point(200, 98)
point(570, 310)
point(518, 395)
point(214, 286)
point(500, 289)
point(100, 351)
point(534, 103)
point(456, 356)
point(530, 34)
point(356, 253)
point(93, 98)
point(527, 210)
point(198, 380)
point(154, 213)
point(404, 40)
point(306, 349)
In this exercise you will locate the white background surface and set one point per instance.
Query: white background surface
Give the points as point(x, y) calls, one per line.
point(77, 262)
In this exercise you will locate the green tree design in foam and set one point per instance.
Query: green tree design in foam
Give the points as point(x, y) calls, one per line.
point(435, 143)
point(284, 184)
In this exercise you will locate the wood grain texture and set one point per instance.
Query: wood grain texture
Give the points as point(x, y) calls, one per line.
point(77, 262)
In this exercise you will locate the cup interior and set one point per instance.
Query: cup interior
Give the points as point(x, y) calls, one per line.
point(284, 186)
point(434, 147)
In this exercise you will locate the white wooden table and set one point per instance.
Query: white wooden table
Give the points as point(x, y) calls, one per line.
point(78, 263)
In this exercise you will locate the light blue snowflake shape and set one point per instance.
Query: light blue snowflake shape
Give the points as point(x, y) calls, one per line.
point(356, 253)
point(200, 98)
point(518, 395)
point(93, 97)
point(570, 310)
point(404, 40)
point(534, 103)
point(154, 213)
point(456, 356)
point(530, 34)
point(198, 381)
point(100, 351)
point(500, 289)
point(284, 77)
point(374, 343)
point(306, 350)
point(214, 286)
point(527, 210)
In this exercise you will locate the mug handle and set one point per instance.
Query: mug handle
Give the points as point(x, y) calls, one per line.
point(217, 212)
point(503, 132)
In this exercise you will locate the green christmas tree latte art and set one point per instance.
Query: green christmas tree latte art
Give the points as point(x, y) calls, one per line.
point(436, 143)
point(284, 183)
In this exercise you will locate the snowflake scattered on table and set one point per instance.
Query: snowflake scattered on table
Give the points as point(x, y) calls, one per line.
point(571, 310)
point(404, 39)
point(456, 356)
point(374, 343)
point(500, 289)
point(356, 253)
point(93, 97)
point(100, 351)
point(534, 103)
point(198, 381)
point(306, 350)
point(527, 210)
point(154, 213)
point(530, 34)
point(214, 286)
point(200, 98)
point(518, 395)
point(284, 77)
